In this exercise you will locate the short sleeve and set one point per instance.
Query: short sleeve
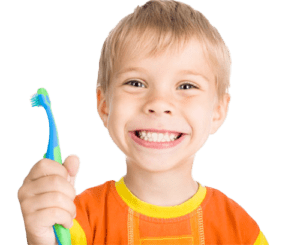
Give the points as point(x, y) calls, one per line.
point(261, 239)
point(81, 233)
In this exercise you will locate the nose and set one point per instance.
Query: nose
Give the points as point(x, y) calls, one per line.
point(160, 100)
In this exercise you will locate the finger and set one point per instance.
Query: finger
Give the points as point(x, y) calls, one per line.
point(49, 217)
point(52, 183)
point(46, 167)
point(72, 165)
point(49, 200)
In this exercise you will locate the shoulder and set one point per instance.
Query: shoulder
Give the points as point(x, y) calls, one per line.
point(223, 216)
point(222, 203)
point(94, 194)
point(90, 213)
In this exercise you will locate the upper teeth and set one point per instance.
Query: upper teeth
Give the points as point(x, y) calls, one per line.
point(157, 137)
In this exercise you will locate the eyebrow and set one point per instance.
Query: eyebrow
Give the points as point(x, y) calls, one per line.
point(128, 69)
point(187, 72)
point(194, 73)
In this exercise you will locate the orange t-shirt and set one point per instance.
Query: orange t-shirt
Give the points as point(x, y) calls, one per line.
point(111, 214)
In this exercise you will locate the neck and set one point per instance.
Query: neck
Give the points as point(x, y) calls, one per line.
point(170, 188)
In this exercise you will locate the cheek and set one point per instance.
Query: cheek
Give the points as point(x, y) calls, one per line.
point(119, 115)
point(199, 116)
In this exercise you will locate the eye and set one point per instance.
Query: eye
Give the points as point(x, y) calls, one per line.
point(141, 84)
point(135, 82)
point(189, 85)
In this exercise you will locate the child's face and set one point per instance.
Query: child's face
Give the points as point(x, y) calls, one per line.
point(157, 98)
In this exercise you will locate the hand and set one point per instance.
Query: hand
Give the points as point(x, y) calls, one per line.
point(46, 197)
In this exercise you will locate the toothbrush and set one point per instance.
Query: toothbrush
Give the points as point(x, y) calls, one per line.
point(41, 98)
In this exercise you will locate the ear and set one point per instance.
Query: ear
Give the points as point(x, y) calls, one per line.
point(220, 113)
point(102, 106)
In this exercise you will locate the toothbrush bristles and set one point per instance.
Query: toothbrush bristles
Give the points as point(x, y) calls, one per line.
point(35, 100)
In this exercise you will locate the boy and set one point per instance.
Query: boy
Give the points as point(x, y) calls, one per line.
point(163, 75)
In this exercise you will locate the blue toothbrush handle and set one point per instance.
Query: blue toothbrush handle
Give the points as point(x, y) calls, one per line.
point(41, 98)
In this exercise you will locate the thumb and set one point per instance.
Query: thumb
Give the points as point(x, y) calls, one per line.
point(72, 165)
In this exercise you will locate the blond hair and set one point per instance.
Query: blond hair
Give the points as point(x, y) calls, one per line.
point(157, 25)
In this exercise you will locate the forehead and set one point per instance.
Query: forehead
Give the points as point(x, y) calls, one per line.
point(188, 57)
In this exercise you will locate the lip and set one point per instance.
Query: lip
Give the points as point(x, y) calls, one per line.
point(156, 145)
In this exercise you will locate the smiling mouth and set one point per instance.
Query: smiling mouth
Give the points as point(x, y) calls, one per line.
point(161, 137)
